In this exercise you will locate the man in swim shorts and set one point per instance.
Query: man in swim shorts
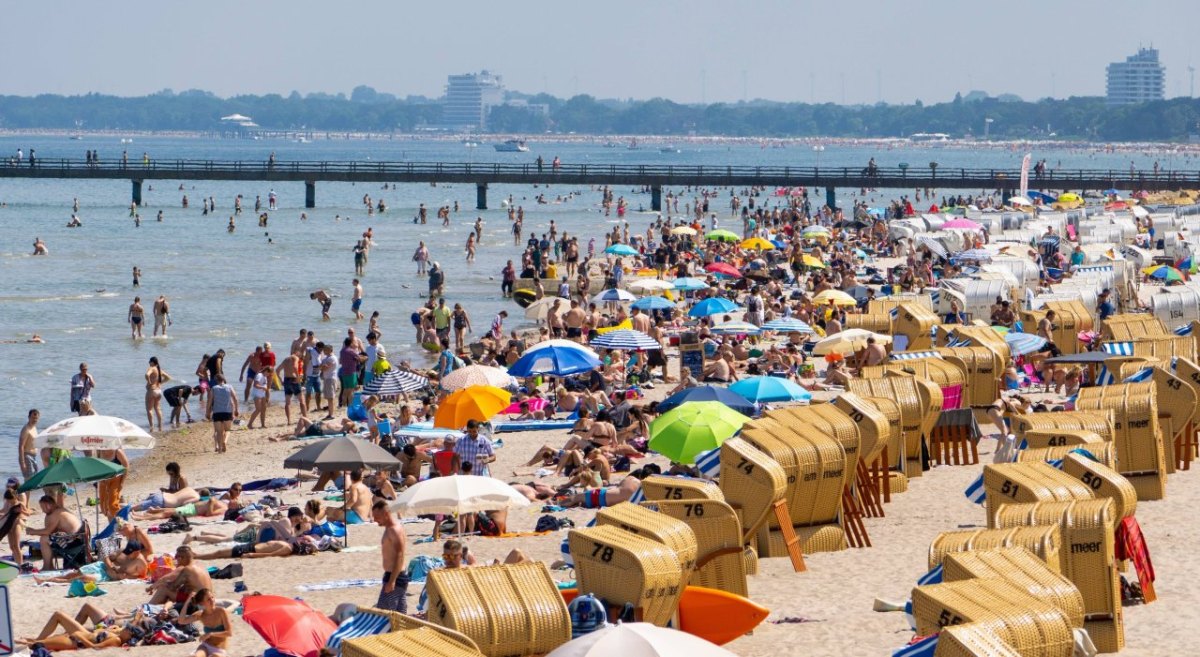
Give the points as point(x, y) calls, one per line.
point(356, 300)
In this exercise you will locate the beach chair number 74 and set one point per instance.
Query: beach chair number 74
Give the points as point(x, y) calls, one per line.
point(603, 551)
point(746, 466)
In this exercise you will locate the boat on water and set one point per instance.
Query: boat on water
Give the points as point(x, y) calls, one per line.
point(512, 146)
point(929, 137)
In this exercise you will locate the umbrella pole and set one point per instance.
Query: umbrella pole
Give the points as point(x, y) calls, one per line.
point(345, 509)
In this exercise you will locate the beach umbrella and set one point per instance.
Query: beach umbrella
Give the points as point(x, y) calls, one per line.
point(689, 284)
point(613, 295)
point(1069, 197)
point(94, 432)
point(476, 375)
point(810, 261)
point(724, 269)
point(979, 255)
point(770, 389)
point(639, 640)
point(626, 340)
point(815, 233)
point(395, 381)
point(838, 298)
point(456, 495)
point(707, 394)
point(340, 454)
point(736, 328)
point(788, 325)
point(1039, 196)
point(556, 359)
point(712, 306)
point(621, 250)
point(683, 230)
point(963, 224)
point(533, 403)
point(75, 470)
point(540, 309)
point(847, 342)
point(477, 403)
point(757, 243)
point(693, 427)
point(645, 285)
point(1164, 273)
point(653, 303)
point(1024, 343)
point(1019, 200)
point(722, 236)
point(288, 625)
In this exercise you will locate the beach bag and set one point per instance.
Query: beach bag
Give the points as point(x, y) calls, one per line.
point(231, 571)
point(357, 412)
point(588, 614)
point(106, 547)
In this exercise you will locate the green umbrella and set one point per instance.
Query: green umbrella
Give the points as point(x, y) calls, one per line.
point(76, 470)
point(723, 235)
point(693, 427)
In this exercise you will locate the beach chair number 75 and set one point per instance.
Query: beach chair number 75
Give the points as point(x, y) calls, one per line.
point(603, 551)
point(673, 493)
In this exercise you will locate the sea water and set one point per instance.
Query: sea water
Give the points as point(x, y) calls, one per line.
point(233, 291)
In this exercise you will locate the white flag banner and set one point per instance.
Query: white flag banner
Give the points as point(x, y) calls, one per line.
point(1025, 174)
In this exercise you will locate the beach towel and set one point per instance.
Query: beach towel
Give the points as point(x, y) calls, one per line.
point(359, 625)
point(419, 567)
point(82, 589)
point(340, 584)
point(709, 463)
point(1131, 546)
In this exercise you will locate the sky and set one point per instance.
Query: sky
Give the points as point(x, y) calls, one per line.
point(688, 51)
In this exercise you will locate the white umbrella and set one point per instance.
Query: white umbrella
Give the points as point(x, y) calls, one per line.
point(639, 640)
point(644, 285)
point(1019, 200)
point(456, 495)
point(476, 375)
point(541, 308)
point(613, 296)
point(847, 341)
point(95, 432)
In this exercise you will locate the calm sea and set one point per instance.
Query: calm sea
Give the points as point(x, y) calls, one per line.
point(233, 291)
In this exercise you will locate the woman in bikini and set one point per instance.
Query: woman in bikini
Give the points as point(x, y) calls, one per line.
point(217, 625)
point(13, 516)
point(154, 380)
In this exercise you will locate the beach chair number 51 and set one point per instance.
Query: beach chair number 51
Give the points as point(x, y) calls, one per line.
point(603, 551)
point(1010, 489)
point(746, 466)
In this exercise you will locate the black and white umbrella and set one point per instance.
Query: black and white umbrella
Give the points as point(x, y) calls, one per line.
point(395, 382)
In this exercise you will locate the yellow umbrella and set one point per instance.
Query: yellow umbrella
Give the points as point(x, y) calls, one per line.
point(683, 230)
point(757, 243)
point(836, 296)
point(477, 403)
point(1069, 197)
point(810, 261)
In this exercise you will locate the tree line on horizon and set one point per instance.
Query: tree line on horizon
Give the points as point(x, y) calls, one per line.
point(367, 110)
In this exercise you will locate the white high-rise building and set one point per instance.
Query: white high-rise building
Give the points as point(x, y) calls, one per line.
point(1138, 79)
point(468, 98)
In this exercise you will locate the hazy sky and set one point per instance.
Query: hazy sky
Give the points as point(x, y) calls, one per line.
point(684, 50)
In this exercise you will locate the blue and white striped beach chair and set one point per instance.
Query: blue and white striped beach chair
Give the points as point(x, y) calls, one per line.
point(360, 624)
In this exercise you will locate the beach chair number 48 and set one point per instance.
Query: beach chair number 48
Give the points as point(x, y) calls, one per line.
point(604, 552)
point(1010, 489)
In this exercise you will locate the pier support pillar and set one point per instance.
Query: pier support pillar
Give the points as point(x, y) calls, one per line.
point(1005, 195)
point(310, 194)
point(480, 196)
point(831, 198)
point(137, 193)
point(656, 198)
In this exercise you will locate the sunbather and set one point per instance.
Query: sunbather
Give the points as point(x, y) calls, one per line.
point(81, 638)
point(129, 564)
point(205, 506)
point(295, 524)
point(306, 428)
point(179, 584)
point(603, 497)
point(300, 545)
point(162, 500)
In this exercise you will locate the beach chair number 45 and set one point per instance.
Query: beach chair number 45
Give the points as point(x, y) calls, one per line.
point(746, 466)
point(604, 552)
point(1010, 489)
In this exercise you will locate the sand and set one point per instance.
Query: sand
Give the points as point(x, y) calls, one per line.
point(835, 595)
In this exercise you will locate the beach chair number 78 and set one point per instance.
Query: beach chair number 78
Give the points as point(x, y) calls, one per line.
point(603, 551)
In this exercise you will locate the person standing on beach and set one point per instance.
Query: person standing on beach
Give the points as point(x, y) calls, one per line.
point(110, 489)
point(437, 280)
point(329, 374)
point(356, 299)
point(81, 391)
point(27, 453)
point(393, 545)
point(374, 352)
point(135, 317)
point(421, 256)
point(260, 393)
point(177, 401)
point(359, 261)
point(348, 360)
point(162, 315)
point(441, 319)
point(250, 368)
point(291, 371)
point(222, 409)
point(508, 278)
point(137, 277)
point(154, 380)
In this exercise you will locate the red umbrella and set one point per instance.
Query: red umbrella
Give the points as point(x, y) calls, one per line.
point(723, 268)
point(289, 626)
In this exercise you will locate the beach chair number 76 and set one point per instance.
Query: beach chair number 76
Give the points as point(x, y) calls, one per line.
point(693, 510)
point(603, 551)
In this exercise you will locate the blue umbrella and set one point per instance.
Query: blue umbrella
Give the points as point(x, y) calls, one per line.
point(788, 325)
point(1024, 343)
point(1110, 192)
point(712, 306)
point(626, 339)
point(708, 393)
point(689, 284)
point(558, 360)
point(1040, 196)
point(621, 250)
point(653, 303)
point(770, 389)
point(779, 244)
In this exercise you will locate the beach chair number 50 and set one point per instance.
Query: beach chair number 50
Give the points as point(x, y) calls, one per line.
point(1010, 489)
point(746, 466)
point(603, 551)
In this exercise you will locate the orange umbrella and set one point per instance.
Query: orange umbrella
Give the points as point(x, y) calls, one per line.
point(478, 403)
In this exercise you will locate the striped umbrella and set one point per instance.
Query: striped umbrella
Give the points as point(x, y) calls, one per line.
point(613, 296)
point(689, 284)
point(627, 340)
point(395, 382)
point(1024, 343)
point(788, 325)
point(736, 328)
point(476, 375)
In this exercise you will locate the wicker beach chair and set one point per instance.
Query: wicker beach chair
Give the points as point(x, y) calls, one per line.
point(1021, 568)
point(1131, 326)
point(661, 487)
point(1037, 481)
point(720, 562)
point(506, 609)
point(982, 367)
point(1103, 452)
point(671, 532)
point(973, 640)
point(1039, 438)
point(1188, 447)
point(891, 455)
point(1044, 541)
point(920, 404)
point(450, 643)
point(916, 323)
point(1105, 482)
point(1138, 439)
point(751, 482)
point(1030, 625)
point(624, 568)
point(874, 431)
